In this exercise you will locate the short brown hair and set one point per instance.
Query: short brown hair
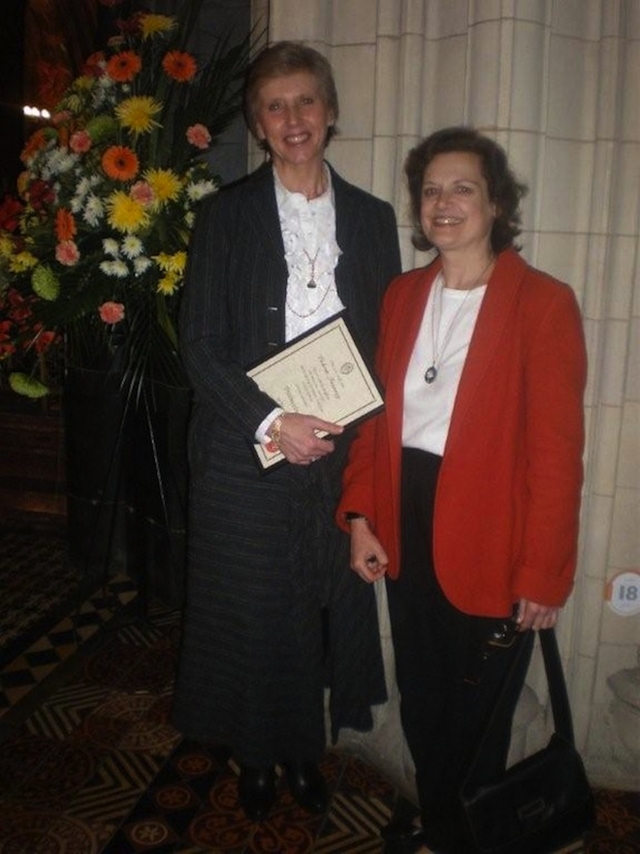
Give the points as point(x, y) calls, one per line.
point(281, 59)
point(505, 191)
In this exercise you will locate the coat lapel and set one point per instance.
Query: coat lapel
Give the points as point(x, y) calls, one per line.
point(264, 209)
point(493, 322)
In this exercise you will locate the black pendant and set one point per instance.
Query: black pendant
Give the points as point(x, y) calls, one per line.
point(311, 283)
point(430, 374)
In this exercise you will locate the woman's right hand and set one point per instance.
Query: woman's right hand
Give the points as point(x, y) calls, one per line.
point(297, 437)
point(368, 558)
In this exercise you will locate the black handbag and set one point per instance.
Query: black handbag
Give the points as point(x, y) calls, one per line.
point(544, 801)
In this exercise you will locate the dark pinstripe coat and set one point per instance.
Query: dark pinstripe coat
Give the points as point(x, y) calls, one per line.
point(264, 553)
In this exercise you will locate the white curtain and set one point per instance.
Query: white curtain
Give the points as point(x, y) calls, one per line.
point(557, 83)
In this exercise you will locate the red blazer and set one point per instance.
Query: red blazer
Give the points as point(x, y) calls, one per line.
point(508, 496)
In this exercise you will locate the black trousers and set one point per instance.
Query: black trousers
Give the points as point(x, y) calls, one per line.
point(446, 688)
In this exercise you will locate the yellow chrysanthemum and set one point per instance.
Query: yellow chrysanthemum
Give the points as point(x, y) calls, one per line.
point(168, 284)
point(22, 261)
point(174, 264)
point(137, 113)
point(151, 24)
point(6, 246)
point(125, 214)
point(166, 184)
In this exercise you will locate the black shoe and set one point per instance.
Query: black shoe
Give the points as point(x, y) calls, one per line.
point(402, 835)
point(445, 835)
point(307, 785)
point(256, 791)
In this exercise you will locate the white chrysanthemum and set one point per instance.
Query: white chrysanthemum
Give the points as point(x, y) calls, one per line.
point(94, 211)
point(110, 247)
point(59, 161)
point(83, 188)
point(141, 264)
point(86, 184)
point(103, 91)
point(200, 189)
point(131, 246)
point(116, 268)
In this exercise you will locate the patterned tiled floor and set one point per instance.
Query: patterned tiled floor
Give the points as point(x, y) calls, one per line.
point(90, 763)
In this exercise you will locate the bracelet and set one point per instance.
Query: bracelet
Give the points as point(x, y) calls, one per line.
point(276, 429)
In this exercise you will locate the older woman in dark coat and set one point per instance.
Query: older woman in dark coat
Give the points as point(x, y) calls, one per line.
point(273, 612)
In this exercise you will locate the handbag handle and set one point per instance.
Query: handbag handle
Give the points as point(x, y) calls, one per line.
point(557, 686)
point(557, 694)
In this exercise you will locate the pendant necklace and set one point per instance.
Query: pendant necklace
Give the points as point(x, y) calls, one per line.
point(312, 285)
point(438, 347)
point(312, 264)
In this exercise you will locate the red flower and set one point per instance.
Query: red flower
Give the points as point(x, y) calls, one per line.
point(35, 142)
point(199, 136)
point(40, 194)
point(67, 253)
point(180, 66)
point(111, 312)
point(80, 142)
point(44, 340)
point(142, 192)
point(94, 65)
point(10, 210)
point(124, 66)
point(19, 310)
point(52, 82)
point(65, 224)
point(120, 163)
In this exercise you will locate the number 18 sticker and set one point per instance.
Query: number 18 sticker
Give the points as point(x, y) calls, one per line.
point(623, 593)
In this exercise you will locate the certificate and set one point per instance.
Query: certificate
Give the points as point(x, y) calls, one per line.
point(321, 373)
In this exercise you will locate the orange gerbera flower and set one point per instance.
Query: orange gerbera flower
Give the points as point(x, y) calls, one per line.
point(65, 225)
point(124, 66)
point(180, 66)
point(120, 163)
point(36, 141)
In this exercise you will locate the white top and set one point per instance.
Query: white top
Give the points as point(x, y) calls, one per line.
point(428, 406)
point(311, 251)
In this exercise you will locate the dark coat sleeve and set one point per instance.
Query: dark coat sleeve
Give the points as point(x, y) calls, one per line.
point(235, 280)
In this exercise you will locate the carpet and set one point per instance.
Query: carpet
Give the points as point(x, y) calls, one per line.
point(95, 765)
point(37, 586)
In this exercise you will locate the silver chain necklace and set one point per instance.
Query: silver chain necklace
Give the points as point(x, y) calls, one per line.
point(312, 264)
point(439, 347)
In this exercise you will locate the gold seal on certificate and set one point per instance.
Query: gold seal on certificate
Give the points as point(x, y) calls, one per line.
point(321, 373)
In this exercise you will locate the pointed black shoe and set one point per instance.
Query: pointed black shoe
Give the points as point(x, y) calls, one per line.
point(307, 785)
point(256, 791)
point(402, 836)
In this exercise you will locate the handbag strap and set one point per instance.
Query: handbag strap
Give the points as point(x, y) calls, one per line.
point(557, 685)
point(557, 694)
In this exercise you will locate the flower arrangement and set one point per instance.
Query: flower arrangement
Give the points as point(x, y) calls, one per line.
point(93, 248)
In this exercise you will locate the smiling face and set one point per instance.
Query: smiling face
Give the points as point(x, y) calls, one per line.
point(456, 212)
point(292, 117)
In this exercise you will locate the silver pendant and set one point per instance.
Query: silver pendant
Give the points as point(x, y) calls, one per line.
point(430, 374)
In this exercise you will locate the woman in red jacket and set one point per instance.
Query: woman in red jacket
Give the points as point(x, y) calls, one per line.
point(465, 491)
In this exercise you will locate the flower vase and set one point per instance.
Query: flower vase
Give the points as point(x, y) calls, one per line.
point(127, 482)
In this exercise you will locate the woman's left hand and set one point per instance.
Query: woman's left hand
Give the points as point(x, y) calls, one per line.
point(299, 441)
point(531, 615)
